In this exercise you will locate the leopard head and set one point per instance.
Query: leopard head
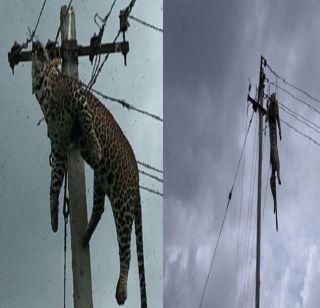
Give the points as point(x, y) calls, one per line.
point(40, 60)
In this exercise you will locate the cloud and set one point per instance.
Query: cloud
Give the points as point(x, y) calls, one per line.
point(210, 50)
point(310, 291)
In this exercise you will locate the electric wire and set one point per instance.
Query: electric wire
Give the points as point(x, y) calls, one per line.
point(126, 105)
point(150, 190)
point(245, 230)
point(32, 34)
point(225, 213)
point(101, 32)
point(299, 118)
point(98, 70)
point(151, 176)
point(145, 23)
point(149, 166)
point(249, 216)
point(297, 98)
point(292, 85)
point(239, 222)
point(300, 133)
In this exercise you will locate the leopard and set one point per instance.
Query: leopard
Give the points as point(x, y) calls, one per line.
point(67, 104)
point(274, 121)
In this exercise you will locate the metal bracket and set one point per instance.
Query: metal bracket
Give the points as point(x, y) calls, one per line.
point(255, 105)
point(94, 43)
point(124, 25)
point(14, 55)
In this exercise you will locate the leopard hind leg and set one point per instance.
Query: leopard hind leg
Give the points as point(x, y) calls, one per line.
point(123, 216)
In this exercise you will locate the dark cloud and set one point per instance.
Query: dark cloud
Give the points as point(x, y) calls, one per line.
point(211, 48)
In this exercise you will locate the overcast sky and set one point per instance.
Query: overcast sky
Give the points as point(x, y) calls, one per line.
point(211, 48)
point(31, 258)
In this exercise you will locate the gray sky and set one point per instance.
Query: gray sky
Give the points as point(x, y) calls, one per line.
point(31, 258)
point(211, 48)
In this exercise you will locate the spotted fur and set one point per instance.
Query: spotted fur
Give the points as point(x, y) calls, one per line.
point(65, 103)
point(274, 120)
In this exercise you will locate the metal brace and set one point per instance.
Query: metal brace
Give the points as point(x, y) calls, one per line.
point(124, 25)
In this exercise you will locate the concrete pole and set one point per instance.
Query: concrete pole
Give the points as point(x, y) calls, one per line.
point(260, 100)
point(82, 289)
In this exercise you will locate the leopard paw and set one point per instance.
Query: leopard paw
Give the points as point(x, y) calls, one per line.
point(121, 293)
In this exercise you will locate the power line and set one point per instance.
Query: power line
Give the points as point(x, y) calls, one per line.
point(296, 98)
point(300, 120)
point(292, 85)
point(225, 213)
point(249, 215)
point(299, 117)
point(98, 70)
point(145, 23)
point(94, 77)
point(151, 176)
point(126, 105)
point(149, 166)
point(100, 35)
point(32, 34)
point(301, 133)
point(239, 224)
point(252, 173)
point(150, 190)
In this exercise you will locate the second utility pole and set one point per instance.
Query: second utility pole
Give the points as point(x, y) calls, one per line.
point(260, 110)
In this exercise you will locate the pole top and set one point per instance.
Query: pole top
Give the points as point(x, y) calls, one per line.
point(68, 23)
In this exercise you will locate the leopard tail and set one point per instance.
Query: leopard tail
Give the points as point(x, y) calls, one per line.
point(139, 243)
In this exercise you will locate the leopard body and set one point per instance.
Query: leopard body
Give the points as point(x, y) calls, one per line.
point(67, 104)
point(274, 121)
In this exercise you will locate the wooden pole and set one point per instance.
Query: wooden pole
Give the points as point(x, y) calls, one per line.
point(260, 100)
point(82, 289)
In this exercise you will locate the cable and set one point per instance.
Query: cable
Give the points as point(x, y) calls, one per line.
point(32, 34)
point(145, 23)
point(98, 70)
point(239, 224)
point(297, 98)
point(301, 133)
point(225, 213)
point(150, 190)
point(101, 31)
point(246, 228)
point(126, 105)
point(291, 85)
point(151, 176)
point(299, 117)
point(149, 166)
point(249, 214)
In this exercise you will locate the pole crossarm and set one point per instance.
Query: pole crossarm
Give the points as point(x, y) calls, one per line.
point(15, 56)
point(256, 105)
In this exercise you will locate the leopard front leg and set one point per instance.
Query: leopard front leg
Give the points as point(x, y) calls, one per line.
point(58, 165)
point(88, 132)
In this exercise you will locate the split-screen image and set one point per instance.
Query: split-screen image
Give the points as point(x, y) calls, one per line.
point(159, 154)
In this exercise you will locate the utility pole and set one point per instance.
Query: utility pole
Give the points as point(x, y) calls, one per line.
point(258, 106)
point(81, 269)
point(69, 52)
